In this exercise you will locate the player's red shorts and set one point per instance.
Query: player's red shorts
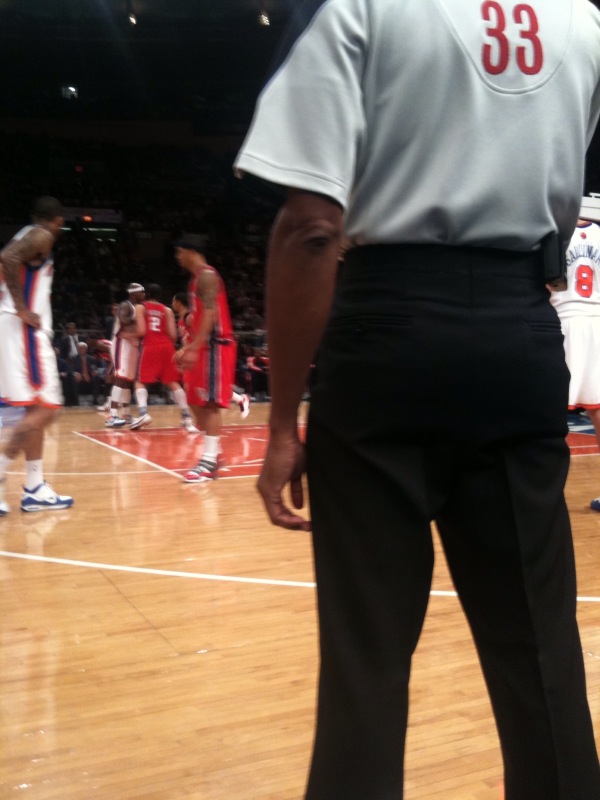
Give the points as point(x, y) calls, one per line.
point(157, 365)
point(211, 379)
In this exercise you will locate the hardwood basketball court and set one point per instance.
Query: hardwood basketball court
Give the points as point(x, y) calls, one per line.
point(158, 641)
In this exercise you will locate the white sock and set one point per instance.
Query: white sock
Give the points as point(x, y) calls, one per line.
point(4, 462)
point(181, 400)
point(211, 448)
point(115, 399)
point(142, 400)
point(237, 398)
point(34, 474)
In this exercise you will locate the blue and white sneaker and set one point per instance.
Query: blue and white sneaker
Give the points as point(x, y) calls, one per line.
point(115, 422)
point(595, 504)
point(139, 422)
point(43, 498)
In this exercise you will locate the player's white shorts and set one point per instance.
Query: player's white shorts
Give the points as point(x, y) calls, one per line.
point(126, 355)
point(28, 370)
point(582, 351)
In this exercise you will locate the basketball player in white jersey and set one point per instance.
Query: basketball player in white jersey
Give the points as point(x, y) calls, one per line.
point(28, 371)
point(126, 356)
point(579, 310)
point(446, 140)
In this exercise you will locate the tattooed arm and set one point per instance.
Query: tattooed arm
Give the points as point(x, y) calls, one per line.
point(207, 293)
point(33, 248)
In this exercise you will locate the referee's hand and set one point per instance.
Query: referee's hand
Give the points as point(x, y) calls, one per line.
point(285, 462)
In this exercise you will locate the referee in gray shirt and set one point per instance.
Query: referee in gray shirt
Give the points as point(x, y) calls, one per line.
point(443, 143)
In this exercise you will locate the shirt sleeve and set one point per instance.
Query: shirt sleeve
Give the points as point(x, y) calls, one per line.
point(309, 121)
point(594, 116)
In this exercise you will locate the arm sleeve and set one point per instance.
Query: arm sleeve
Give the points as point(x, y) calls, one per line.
point(309, 120)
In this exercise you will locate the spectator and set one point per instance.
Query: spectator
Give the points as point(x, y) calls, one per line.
point(258, 368)
point(85, 371)
point(67, 380)
point(110, 321)
point(69, 343)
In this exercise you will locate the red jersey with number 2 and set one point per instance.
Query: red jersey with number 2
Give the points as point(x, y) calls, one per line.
point(156, 362)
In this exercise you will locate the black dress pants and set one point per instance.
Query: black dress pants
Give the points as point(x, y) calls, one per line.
point(459, 418)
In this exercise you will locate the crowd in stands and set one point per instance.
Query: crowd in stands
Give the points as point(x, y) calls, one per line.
point(155, 188)
point(166, 189)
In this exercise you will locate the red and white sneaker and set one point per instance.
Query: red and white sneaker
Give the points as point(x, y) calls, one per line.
point(205, 471)
point(244, 405)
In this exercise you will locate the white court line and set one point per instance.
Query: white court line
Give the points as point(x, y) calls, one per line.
point(203, 576)
point(166, 573)
point(151, 463)
point(79, 474)
point(124, 452)
point(251, 462)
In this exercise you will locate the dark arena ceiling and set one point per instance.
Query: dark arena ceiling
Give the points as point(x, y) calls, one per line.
point(179, 58)
point(157, 18)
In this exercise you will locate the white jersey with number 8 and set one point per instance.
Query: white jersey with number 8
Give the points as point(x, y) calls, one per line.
point(582, 296)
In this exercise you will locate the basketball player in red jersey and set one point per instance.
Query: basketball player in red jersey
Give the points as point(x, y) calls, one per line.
point(180, 306)
point(156, 324)
point(209, 357)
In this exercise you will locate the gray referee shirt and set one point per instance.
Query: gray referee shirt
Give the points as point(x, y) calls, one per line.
point(438, 121)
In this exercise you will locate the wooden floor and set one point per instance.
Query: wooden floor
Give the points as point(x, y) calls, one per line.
point(158, 640)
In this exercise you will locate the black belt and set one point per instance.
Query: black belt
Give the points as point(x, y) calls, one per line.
point(546, 263)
